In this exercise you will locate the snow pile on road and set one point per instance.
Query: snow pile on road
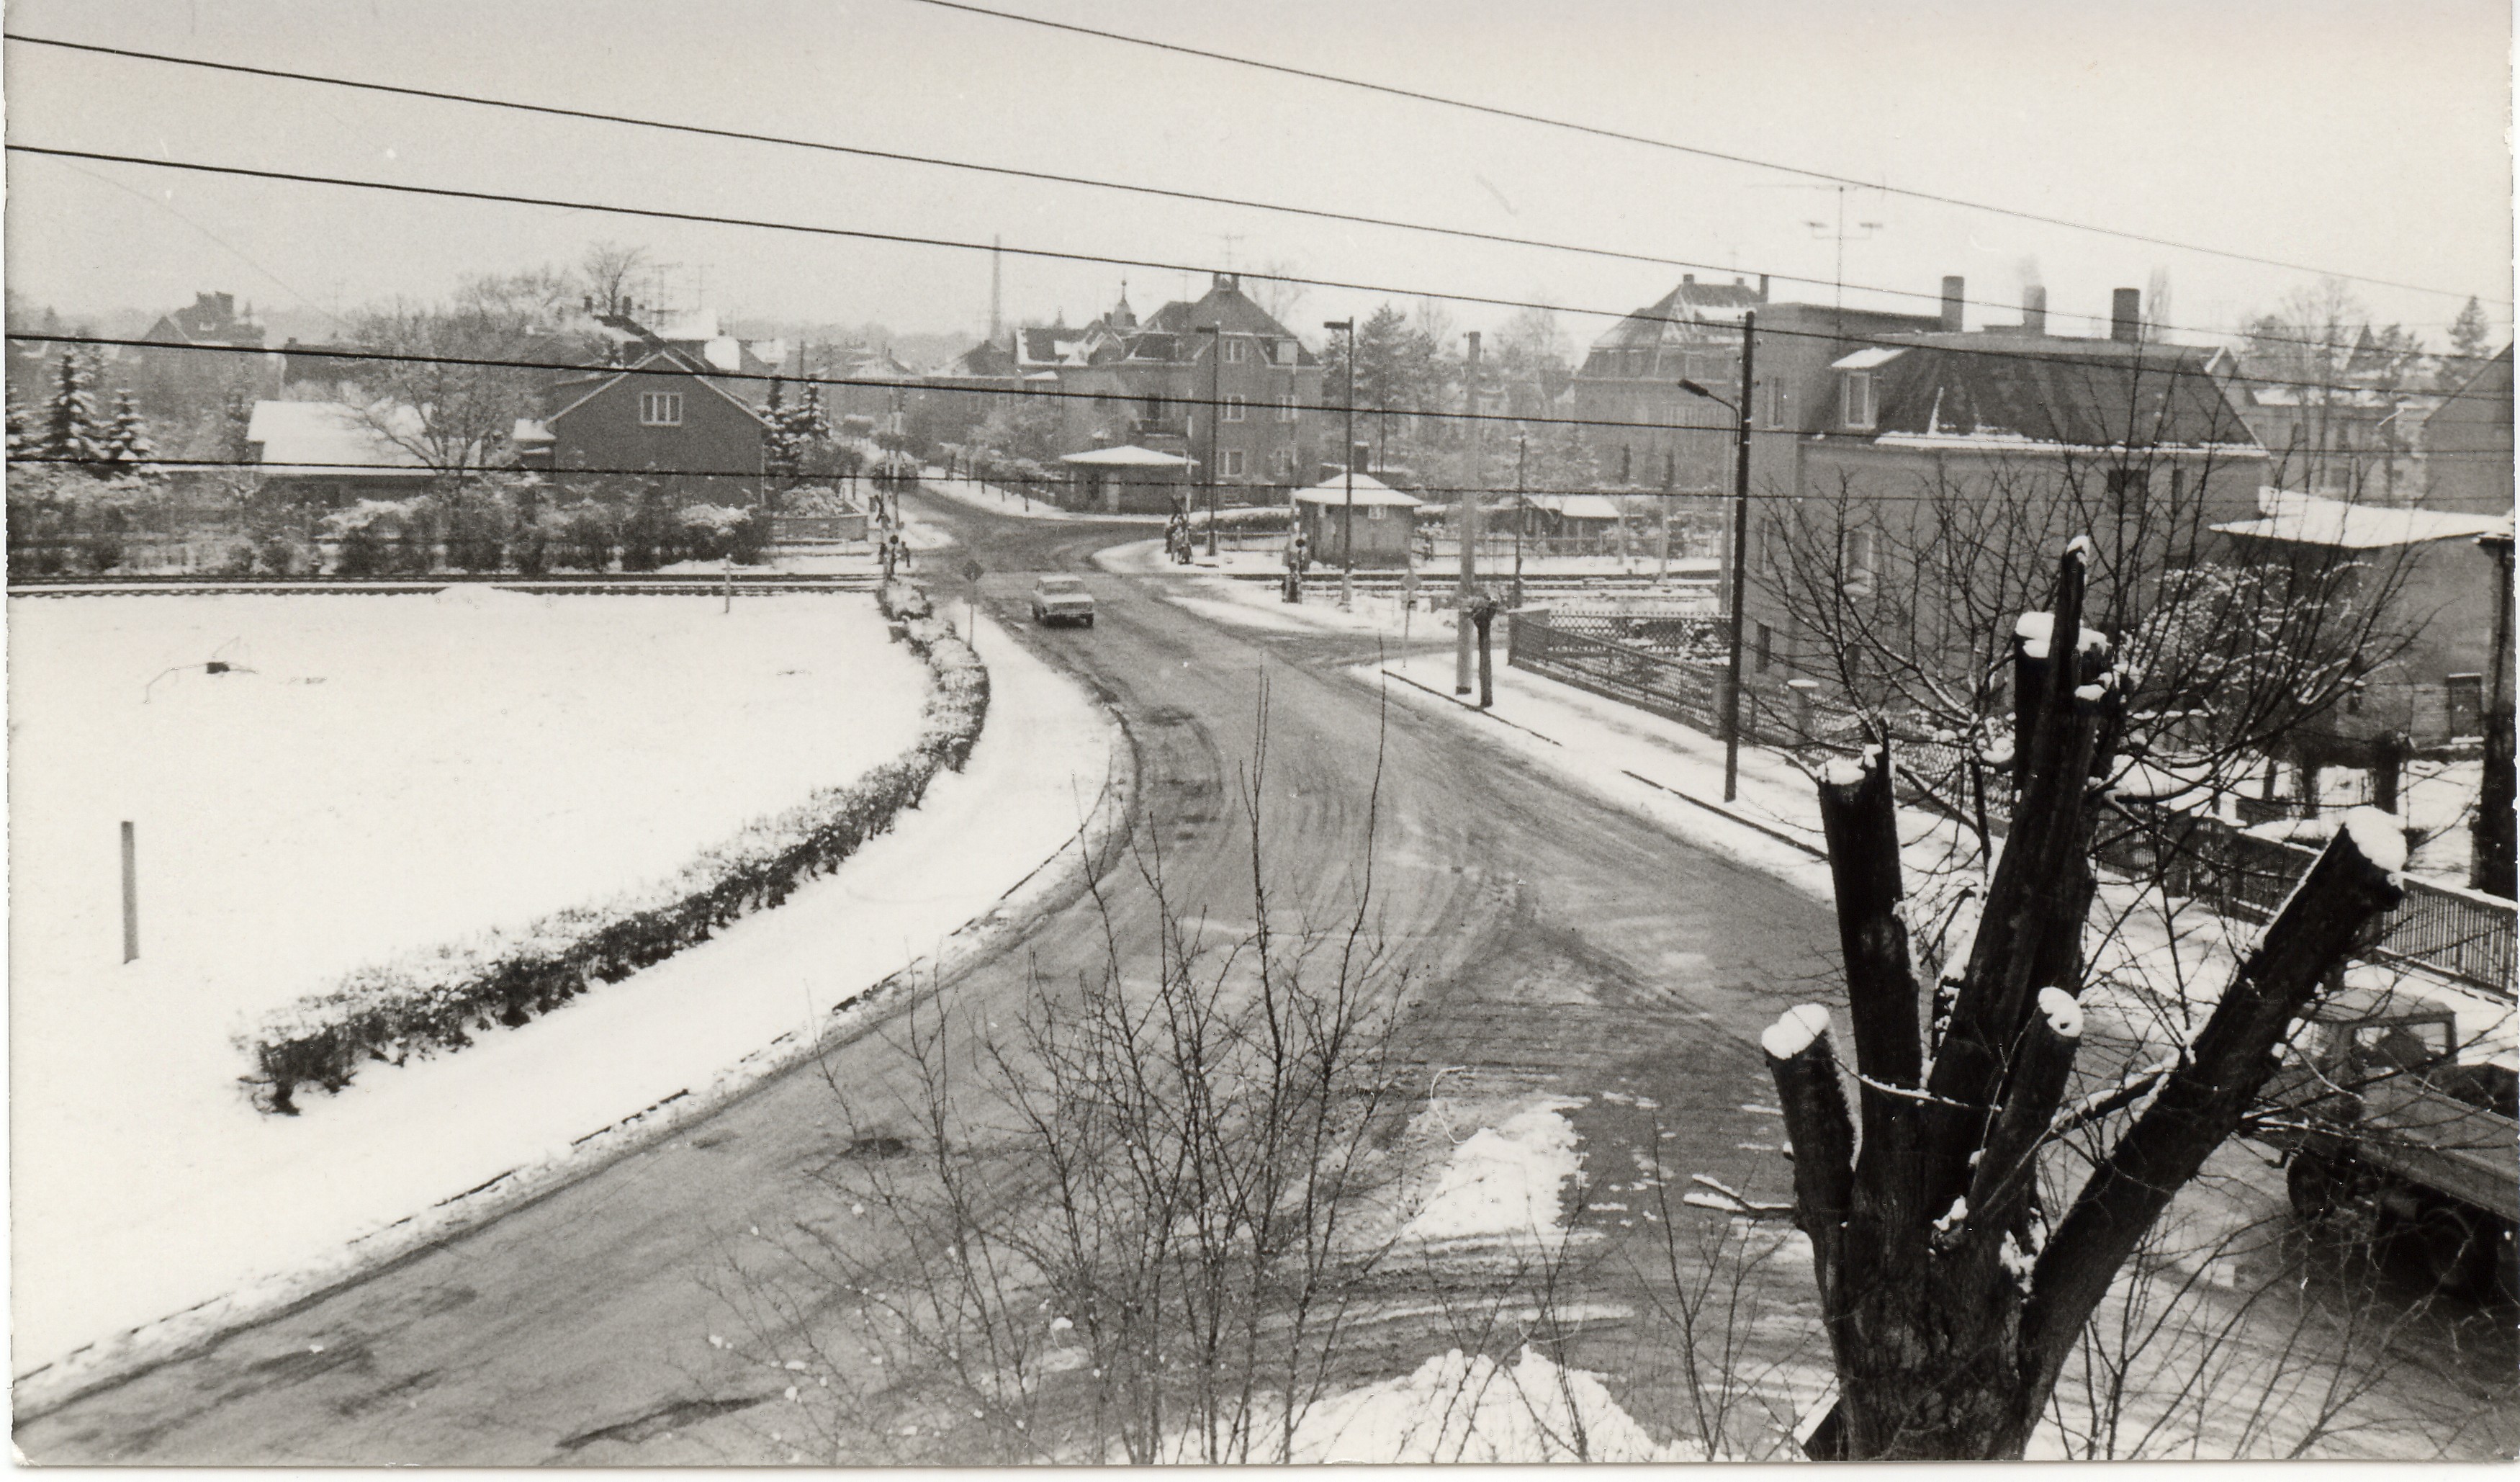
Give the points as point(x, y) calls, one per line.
point(145, 1182)
point(1457, 1407)
point(1504, 1183)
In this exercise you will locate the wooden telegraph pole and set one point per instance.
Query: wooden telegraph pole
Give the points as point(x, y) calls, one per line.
point(1467, 525)
point(130, 896)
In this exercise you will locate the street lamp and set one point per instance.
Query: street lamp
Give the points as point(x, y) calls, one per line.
point(1740, 548)
point(1347, 460)
point(1215, 333)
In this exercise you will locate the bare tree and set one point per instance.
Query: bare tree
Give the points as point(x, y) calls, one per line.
point(1130, 1220)
point(438, 388)
point(607, 271)
point(1950, 1298)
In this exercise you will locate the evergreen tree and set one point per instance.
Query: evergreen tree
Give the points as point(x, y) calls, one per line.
point(127, 448)
point(779, 447)
point(23, 434)
point(71, 429)
point(2470, 341)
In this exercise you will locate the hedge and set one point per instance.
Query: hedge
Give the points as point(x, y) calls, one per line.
point(438, 999)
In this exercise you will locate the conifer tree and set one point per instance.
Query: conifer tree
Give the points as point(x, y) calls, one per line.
point(127, 447)
point(71, 429)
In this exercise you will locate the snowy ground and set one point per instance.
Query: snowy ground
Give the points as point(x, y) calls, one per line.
point(144, 1182)
point(1260, 607)
point(1668, 772)
point(1265, 556)
point(1008, 502)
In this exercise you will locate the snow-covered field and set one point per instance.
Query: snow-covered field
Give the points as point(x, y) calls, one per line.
point(399, 771)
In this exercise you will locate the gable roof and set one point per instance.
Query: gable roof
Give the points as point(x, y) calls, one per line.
point(2051, 389)
point(1688, 312)
point(2307, 519)
point(1171, 333)
point(665, 360)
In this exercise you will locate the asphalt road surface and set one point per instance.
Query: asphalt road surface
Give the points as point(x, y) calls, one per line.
point(1564, 947)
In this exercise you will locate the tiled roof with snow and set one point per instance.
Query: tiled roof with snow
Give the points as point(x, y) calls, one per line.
point(2001, 386)
point(1669, 320)
point(2307, 519)
point(326, 436)
point(1370, 490)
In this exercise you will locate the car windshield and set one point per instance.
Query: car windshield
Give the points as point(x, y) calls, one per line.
point(1062, 584)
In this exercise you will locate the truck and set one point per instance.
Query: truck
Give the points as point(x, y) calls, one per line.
point(2387, 1131)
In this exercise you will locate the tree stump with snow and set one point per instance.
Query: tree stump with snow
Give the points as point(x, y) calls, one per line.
point(1950, 1298)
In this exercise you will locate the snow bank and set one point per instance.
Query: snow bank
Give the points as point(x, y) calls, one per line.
point(1505, 1182)
point(1470, 1408)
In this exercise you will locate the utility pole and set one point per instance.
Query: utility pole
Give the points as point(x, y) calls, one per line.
point(1347, 460)
point(2491, 867)
point(1740, 547)
point(1740, 559)
point(1467, 521)
point(1215, 333)
point(130, 895)
point(996, 301)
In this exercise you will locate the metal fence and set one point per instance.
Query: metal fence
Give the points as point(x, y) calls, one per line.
point(1673, 666)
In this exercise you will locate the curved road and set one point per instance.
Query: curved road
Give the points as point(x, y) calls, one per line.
point(1561, 946)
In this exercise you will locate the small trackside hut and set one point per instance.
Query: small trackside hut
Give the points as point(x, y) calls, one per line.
point(1386, 522)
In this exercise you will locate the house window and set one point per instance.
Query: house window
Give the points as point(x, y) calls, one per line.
point(1234, 407)
point(1286, 407)
point(1376, 512)
point(661, 409)
point(1765, 648)
point(1857, 567)
point(1775, 404)
point(1232, 462)
point(1855, 401)
point(1237, 353)
point(1282, 352)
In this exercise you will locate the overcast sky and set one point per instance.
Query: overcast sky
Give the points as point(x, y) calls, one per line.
point(2355, 138)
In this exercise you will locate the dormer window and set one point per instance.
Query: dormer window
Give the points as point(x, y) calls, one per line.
point(1284, 352)
point(1855, 408)
point(1237, 353)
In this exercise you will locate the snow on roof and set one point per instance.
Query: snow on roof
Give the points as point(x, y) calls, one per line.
point(527, 429)
point(1865, 360)
point(1578, 505)
point(1370, 490)
point(1128, 457)
point(2308, 519)
point(331, 438)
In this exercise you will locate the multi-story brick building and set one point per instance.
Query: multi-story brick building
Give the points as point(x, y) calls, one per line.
point(2123, 439)
point(1119, 382)
point(1631, 379)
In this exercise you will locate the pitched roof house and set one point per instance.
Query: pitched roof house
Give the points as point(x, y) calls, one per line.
point(668, 412)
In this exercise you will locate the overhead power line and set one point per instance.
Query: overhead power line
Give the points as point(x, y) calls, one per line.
point(1598, 131)
point(709, 131)
point(1008, 391)
point(660, 214)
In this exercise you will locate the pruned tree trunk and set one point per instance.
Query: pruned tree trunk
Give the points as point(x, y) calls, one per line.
point(1950, 1304)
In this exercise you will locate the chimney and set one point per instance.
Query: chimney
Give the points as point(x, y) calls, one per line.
point(2034, 309)
point(1763, 287)
point(1955, 297)
point(1361, 458)
point(1687, 278)
point(2126, 315)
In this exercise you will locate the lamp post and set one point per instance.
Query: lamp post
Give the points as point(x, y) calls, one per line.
point(1740, 547)
point(1347, 460)
point(1215, 333)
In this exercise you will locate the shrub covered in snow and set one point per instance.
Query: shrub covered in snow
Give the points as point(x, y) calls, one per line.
point(440, 998)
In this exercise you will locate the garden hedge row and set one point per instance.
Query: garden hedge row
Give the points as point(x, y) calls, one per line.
point(439, 999)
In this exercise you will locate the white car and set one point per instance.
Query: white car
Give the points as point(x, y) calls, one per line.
point(1062, 599)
